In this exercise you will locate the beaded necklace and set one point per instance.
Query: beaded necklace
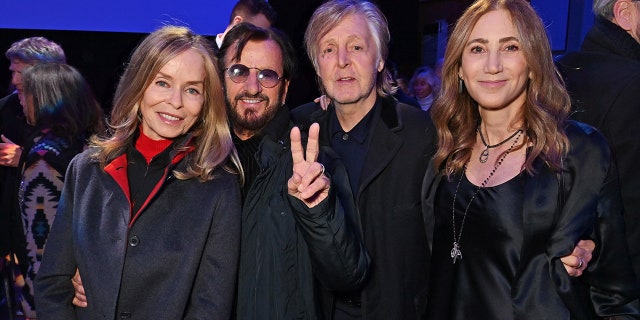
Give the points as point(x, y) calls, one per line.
point(456, 253)
point(484, 155)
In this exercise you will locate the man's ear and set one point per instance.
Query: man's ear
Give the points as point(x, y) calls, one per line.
point(236, 20)
point(623, 15)
point(286, 90)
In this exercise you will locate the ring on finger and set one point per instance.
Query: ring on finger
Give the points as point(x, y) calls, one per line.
point(580, 263)
point(322, 171)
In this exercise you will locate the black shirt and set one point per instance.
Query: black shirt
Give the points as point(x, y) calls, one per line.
point(352, 146)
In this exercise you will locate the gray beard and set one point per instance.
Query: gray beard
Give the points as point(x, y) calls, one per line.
point(250, 120)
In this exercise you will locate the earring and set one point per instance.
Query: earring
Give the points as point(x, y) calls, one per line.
point(460, 85)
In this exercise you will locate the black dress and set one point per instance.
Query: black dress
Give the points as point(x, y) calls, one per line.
point(478, 286)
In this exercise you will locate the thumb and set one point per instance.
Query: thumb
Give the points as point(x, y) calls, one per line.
point(5, 139)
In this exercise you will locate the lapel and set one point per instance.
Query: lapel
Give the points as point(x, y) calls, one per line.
point(430, 184)
point(384, 138)
point(540, 211)
point(384, 141)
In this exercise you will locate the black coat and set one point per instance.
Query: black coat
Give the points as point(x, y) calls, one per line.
point(177, 259)
point(558, 211)
point(388, 204)
point(290, 251)
point(604, 82)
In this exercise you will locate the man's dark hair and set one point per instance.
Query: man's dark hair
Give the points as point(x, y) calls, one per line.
point(251, 8)
point(237, 38)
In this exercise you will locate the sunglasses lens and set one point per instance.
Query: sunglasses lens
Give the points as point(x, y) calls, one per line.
point(238, 73)
point(268, 78)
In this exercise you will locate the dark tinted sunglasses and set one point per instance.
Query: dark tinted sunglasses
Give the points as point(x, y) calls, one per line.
point(239, 73)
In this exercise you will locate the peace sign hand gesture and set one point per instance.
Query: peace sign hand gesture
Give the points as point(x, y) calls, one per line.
point(308, 182)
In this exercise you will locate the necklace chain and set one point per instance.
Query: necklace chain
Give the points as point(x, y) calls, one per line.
point(484, 155)
point(456, 253)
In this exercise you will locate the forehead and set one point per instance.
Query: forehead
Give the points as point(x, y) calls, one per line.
point(18, 65)
point(188, 64)
point(352, 26)
point(261, 54)
point(496, 24)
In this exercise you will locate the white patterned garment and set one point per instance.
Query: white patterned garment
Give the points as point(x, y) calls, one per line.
point(39, 194)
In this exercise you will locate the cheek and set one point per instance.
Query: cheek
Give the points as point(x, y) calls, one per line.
point(194, 109)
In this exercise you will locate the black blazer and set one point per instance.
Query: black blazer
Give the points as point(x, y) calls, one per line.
point(388, 204)
point(558, 211)
point(604, 82)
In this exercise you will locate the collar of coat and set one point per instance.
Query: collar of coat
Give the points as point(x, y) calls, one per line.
point(607, 37)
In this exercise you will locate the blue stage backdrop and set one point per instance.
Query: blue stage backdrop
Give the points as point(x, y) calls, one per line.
point(203, 16)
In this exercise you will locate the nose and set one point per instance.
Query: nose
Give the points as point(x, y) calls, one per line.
point(494, 63)
point(252, 85)
point(343, 58)
point(16, 78)
point(175, 98)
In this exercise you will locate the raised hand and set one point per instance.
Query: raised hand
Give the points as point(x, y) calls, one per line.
point(9, 152)
point(308, 182)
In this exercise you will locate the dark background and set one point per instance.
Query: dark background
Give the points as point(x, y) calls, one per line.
point(100, 56)
point(416, 29)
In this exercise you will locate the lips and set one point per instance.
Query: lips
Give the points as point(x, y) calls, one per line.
point(493, 83)
point(169, 118)
point(251, 101)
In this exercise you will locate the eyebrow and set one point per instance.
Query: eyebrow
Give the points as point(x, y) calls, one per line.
point(348, 38)
point(164, 75)
point(485, 41)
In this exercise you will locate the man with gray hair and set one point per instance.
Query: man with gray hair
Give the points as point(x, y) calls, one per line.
point(14, 131)
point(385, 146)
point(603, 79)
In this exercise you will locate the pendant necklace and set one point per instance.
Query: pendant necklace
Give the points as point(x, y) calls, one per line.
point(456, 252)
point(484, 155)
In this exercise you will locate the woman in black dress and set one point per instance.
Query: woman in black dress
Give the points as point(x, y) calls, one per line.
point(514, 185)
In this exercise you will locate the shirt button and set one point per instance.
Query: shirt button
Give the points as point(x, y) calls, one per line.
point(345, 137)
point(134, 241)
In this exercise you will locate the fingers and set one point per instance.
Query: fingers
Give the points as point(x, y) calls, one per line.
point(293, 183)
point(79, 298)
point(5, 139)
point(296, 146)
point(308, 182)
point(318, 186)
point(324, 102)
point(574, 265)
point(584, 249)
point(313, 146)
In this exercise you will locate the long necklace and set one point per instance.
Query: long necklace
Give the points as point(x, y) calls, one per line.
point(484, 155)
point(456, 253)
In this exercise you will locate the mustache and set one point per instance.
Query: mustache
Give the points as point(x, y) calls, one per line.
point(245, 94)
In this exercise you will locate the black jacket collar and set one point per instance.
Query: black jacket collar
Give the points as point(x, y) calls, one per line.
point(607, 37)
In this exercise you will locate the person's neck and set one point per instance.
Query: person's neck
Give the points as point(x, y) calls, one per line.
point(350, 114)
point(497, 125)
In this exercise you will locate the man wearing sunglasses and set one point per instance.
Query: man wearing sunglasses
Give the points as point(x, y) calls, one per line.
point(297, 229)
point(291, 235)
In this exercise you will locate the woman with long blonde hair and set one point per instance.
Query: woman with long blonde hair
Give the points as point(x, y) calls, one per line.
point(150, 214)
